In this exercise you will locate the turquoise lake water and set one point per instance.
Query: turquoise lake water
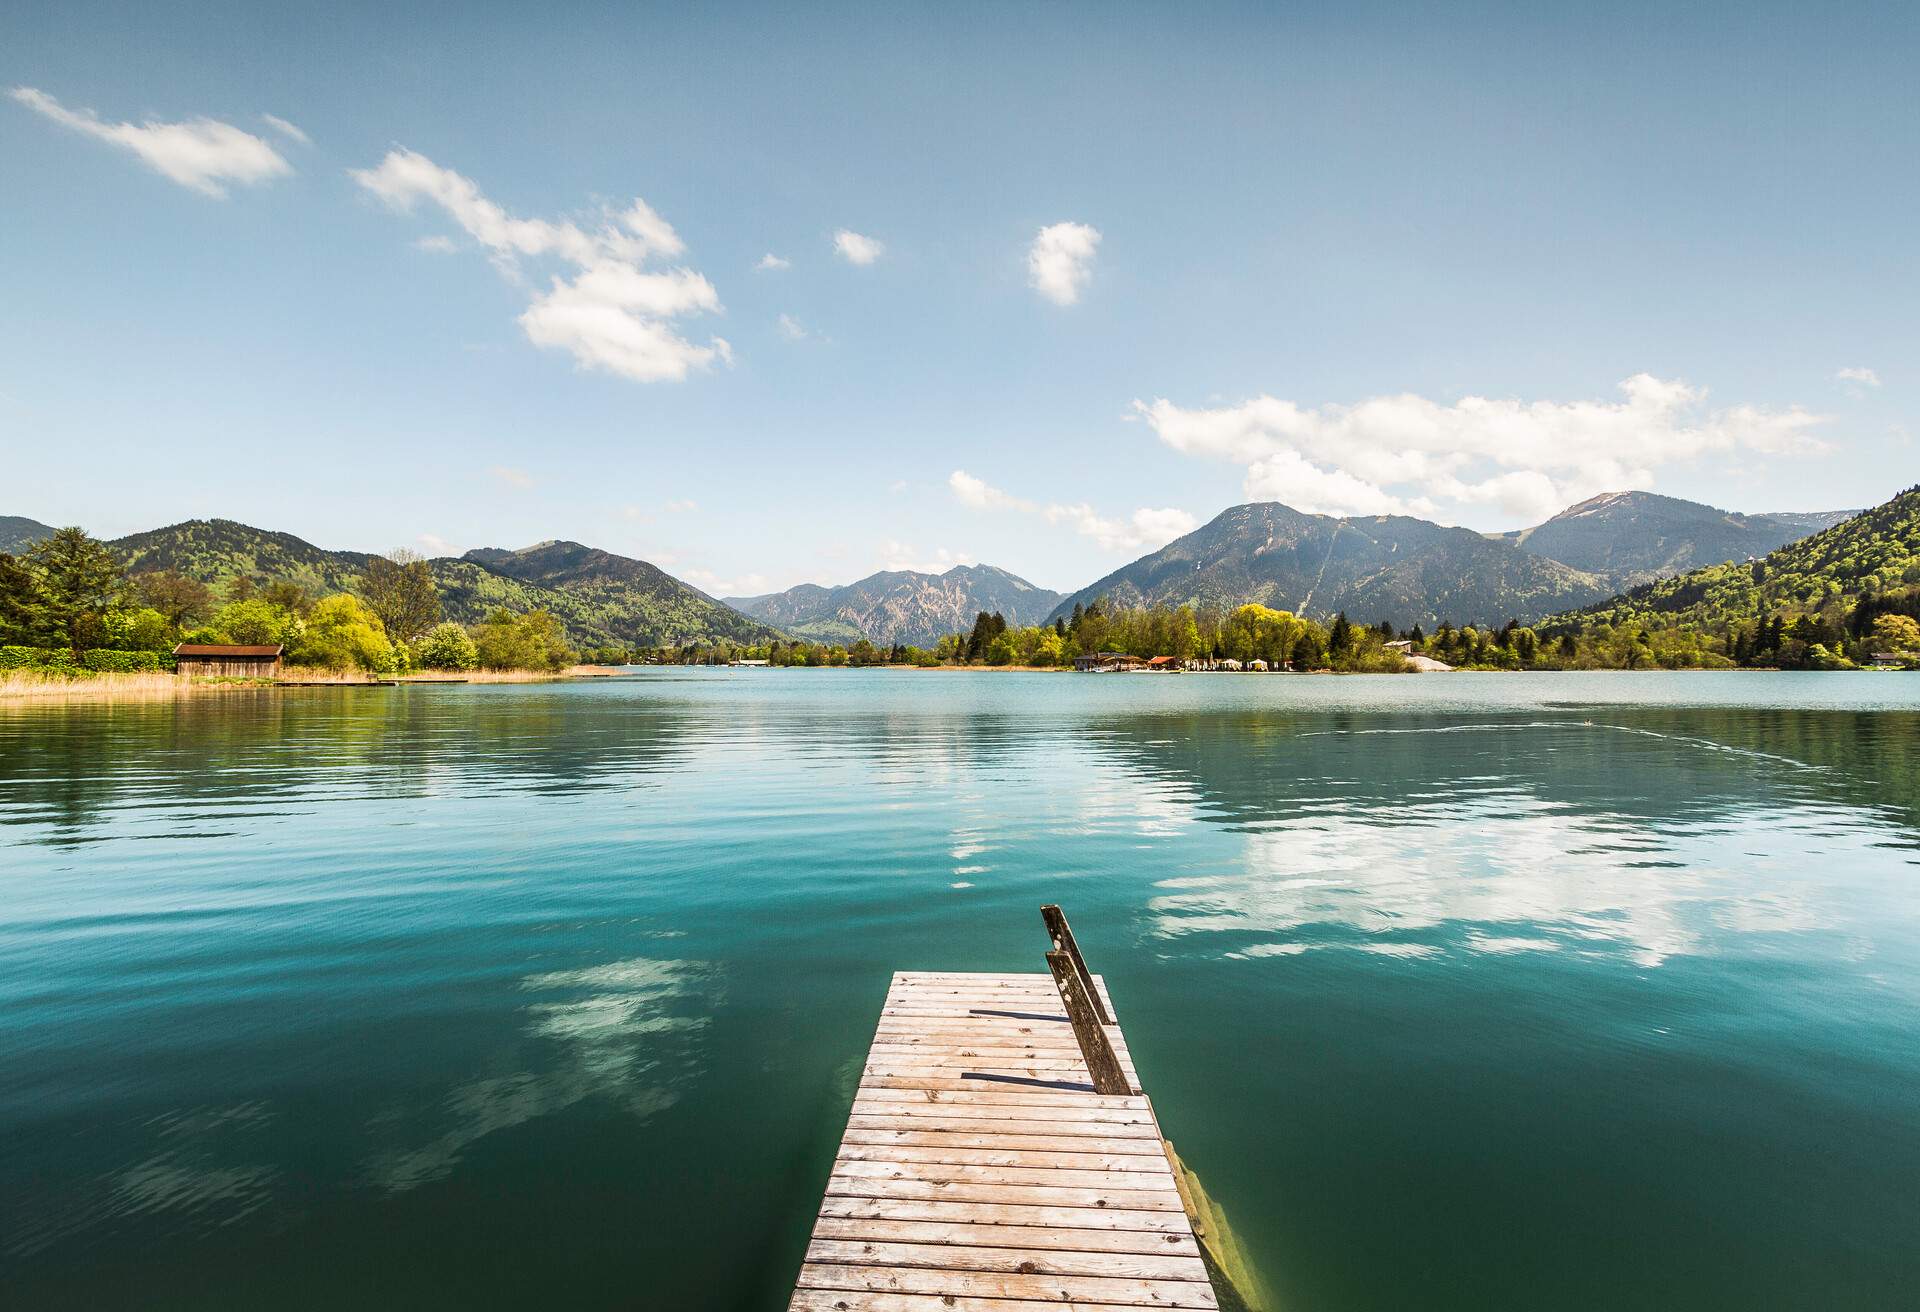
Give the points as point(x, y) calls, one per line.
point(1481, 991)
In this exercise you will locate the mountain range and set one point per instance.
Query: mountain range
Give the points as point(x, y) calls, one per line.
point(903, 606)
point(1411, 571)
point(603, 599)
point(1874, 552)
point(1635, 537)
point(1390, 567)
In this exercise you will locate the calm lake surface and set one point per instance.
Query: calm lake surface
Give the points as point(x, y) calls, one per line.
point(1535, 990)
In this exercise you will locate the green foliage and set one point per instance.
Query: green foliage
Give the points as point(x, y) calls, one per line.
point(342, 633)
point(124, 662)
point(61, 661)
point(534, 641)
point(399, 589)
point(79, 581)
point(599, 599)
point(183, 601)
point(1896, 633)
point(446, 647)
point(21, 615)
point(144, 629)
point(255, 621)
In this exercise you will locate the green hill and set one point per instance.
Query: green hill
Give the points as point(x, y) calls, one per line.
point(602, 599)
point(17, 532)
point(1823, 576)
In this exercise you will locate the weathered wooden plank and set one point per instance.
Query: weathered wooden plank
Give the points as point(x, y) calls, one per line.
point(935, 1061)
point(1057, 928)
point(1013, 1261)
point(1096, 1048)
point(997, 1138)
point(1089, 1178)
point(964, 1125)
point(1139, 1161)
point(983, 1284)
point(975, 1092)
point(1025, 1215)
point(1031, 1195)
point(847, 1300)
point(1027, 1238)
point(971, 1111)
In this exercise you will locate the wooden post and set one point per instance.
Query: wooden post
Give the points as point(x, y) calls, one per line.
point(1095, 1048)
point(1056, 922)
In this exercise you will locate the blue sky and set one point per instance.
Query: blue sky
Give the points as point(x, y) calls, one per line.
point(1472, 263)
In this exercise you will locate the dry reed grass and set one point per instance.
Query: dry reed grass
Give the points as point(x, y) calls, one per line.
point(39, 686)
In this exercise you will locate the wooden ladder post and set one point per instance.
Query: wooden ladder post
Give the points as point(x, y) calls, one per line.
point(1096, 1049)
point(1062, 935)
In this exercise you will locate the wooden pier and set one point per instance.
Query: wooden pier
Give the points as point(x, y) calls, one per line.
point(1000, 1155)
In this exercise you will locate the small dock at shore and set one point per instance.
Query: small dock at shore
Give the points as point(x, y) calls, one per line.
point(1001, 1155)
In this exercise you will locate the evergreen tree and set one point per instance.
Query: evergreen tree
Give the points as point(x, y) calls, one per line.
point(1340, 641)
point(22, 618)
point(80, 580)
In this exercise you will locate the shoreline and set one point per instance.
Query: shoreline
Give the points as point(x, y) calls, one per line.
point(22, 688)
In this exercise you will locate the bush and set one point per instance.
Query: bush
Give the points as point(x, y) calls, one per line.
point(122, 662)
point(254, 622)
point(447, 647)
point(342, 633)
point(55, 661)
point(534, 641)
point(145, 629)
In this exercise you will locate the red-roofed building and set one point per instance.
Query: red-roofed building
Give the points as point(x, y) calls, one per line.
point(228, 660)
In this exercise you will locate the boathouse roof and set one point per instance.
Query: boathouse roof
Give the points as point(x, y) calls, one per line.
point(227, 649)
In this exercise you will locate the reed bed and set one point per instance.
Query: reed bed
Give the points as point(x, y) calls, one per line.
point(149, 686)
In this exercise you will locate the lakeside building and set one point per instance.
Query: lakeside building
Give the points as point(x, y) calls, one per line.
point(228, 660)
point(1107, 662)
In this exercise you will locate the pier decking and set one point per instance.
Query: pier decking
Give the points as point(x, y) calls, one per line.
point(981, 1171)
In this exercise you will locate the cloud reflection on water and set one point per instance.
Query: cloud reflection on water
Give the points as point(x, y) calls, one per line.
point(629, 1035)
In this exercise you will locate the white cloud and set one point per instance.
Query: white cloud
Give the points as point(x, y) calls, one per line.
point(684, 506)
point(511, 477)
point(976, 494)
point(1406, 453)
point(714, 585)
point(286, 129)
point(1859, 374)
point(904, 556)
point(856, 249)
point(436, 245)
point(771, 263)
point(791, 328)
point(1060, 262)
point(1145, 528)
point(438, 545)
point(202, 154)
point(614, 313)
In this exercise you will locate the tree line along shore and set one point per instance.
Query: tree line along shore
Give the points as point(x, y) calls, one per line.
point(70, 612)
point(1281, 640)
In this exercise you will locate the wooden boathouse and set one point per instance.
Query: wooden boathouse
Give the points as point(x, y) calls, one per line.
point(228, 660)
point(1001, 1156)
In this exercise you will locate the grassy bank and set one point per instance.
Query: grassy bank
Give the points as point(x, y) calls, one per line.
point(150, 686)
point(56, 686)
